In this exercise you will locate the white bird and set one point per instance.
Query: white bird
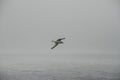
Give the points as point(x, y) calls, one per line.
point(58, 41)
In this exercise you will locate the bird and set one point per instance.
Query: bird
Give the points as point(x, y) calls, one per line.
point(58, 41)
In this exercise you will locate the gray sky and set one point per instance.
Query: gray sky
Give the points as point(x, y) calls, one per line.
point(31, 25)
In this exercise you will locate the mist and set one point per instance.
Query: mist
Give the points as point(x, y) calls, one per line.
point(91, 49)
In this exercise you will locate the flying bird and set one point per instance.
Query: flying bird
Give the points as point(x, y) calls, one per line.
point(58, 41)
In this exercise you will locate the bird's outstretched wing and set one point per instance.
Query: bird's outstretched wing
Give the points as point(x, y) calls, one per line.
point(60, 39)
point(54, 45)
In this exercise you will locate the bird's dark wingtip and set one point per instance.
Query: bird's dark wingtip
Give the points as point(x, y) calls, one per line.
point(51, 48)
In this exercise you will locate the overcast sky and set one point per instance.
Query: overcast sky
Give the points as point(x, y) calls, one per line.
point(31, 25)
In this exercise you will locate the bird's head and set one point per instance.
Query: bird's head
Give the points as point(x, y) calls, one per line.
point(53, 41)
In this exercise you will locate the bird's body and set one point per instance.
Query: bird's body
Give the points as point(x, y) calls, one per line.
point(58, 41)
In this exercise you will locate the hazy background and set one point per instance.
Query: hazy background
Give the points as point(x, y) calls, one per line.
point(91, 50)
point(29, 26)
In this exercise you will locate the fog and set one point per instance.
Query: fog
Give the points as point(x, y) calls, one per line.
point(89, 26)
point(91, 29)
point(91, 50)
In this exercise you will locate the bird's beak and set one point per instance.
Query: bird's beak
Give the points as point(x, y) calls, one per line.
point(52, 41)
